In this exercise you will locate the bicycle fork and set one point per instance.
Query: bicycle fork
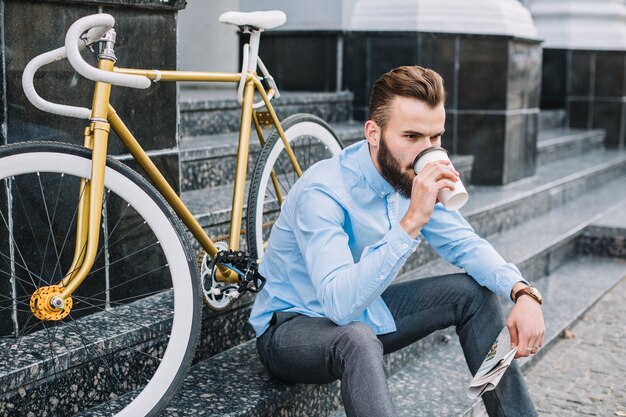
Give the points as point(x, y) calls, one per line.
point(54, 302)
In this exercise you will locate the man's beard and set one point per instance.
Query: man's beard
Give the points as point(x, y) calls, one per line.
point(391, 170)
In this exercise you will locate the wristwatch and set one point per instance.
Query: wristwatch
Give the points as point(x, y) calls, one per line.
point(531, 291)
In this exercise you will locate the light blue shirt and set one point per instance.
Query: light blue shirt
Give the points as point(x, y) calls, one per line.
point(338, 244)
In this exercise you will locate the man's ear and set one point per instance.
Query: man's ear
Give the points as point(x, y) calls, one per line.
point(372, 133)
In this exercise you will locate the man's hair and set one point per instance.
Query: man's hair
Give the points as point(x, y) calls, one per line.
point(415, 82)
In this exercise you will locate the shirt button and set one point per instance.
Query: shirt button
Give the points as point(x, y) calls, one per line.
point(405, 246)
point(381, 277)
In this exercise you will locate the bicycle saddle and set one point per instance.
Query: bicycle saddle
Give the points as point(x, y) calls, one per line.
point(262, 20)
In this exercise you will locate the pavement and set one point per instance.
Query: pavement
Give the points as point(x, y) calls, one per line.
point(585, 375)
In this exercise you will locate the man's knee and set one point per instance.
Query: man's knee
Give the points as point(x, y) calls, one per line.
point(473, 292)
point(358, 341)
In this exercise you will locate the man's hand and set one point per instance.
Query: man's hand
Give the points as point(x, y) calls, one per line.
point(526, 326)
point(426, 185)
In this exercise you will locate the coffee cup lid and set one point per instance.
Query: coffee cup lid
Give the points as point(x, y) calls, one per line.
point(427, 150)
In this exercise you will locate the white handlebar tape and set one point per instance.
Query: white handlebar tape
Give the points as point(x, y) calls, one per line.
point(29, 88)
point(83, 68)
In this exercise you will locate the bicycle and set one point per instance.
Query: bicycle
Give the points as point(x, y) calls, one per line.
point(73, 215)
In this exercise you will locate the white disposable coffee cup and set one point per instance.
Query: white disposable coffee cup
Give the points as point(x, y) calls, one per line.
point(451, 199)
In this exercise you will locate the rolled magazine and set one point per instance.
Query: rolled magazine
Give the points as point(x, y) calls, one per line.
point(493, 367)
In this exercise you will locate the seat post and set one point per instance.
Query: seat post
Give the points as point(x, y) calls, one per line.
point(255, 39)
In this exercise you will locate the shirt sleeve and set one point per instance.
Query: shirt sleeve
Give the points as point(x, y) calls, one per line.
point(456, 241)
point(344, 287)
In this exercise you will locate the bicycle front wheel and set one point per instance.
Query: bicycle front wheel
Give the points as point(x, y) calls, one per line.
point(129, 337)
point(312, 140)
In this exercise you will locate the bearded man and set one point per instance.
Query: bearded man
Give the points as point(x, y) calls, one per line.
point(330, 309)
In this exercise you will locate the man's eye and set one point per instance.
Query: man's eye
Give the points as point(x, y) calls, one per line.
point(411, 136)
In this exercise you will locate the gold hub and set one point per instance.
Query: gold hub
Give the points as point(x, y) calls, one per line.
point(41, 304)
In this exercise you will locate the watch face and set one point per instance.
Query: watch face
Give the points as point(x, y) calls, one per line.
point(535, 293)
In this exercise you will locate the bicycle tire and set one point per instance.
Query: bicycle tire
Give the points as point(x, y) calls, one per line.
point(312, 140)
point(137, 313)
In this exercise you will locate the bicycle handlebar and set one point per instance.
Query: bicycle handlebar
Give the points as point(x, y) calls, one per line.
point(83, 68)
point(98, 25)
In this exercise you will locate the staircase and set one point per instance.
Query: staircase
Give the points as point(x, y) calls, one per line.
point(565, 228)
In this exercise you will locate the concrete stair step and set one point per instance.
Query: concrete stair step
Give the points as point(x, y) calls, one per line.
point(214, 111)
point(607, 235)
point(434, 383)
point(560, 143)
point(551, 119)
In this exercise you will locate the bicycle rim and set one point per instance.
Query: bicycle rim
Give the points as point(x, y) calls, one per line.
point(129, 337)
point(312, 140)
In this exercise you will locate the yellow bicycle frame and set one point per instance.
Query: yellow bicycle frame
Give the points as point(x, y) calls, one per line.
point(104, 116)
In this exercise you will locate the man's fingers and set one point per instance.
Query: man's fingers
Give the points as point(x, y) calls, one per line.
point(513, 334)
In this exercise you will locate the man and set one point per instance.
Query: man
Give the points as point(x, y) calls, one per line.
point(329, 309)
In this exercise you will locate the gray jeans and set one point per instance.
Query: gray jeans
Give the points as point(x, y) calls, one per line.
point(301, 349)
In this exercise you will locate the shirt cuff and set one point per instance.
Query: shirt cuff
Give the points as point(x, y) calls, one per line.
point(400, 241)
point(506, 277)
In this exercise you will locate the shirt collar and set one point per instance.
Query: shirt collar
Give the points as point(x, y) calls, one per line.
point(380, 185)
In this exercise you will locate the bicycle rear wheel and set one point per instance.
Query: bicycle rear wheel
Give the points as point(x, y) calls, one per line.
point(312, 140)
point(129, 338)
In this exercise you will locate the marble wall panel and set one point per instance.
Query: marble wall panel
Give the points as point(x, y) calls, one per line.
point(301, 61)
point(439, 52)
point(579, 114)
point(609, 115)
point(520, 150)
point(610, 74)
point(580, 73)
point(554, 79)
point(483, 135)
point(482, 78)
point(356, 72)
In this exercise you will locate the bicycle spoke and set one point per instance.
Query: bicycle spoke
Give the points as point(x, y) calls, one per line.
point(67, 234)
point(51, 229)
point(128, 281)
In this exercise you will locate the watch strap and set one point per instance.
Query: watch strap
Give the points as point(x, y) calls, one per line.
point(526, 291)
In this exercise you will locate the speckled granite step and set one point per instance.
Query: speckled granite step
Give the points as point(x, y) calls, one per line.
point(551, 119)
point(434, 383)
point(607, 235)
point(561, 143)
point(214, 111)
